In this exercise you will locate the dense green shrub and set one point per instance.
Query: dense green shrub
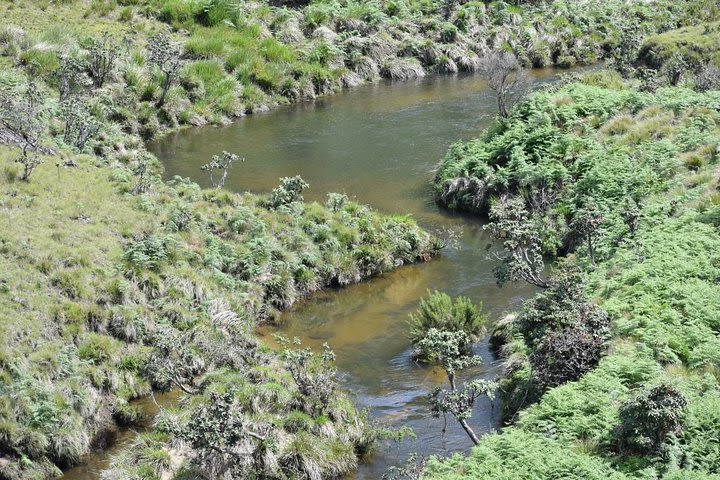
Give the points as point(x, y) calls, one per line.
point(289, 191)
point(648, 420)
point(441, 312)
point(642, 160)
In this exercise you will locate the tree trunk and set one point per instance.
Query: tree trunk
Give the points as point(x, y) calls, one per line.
point(591, 249)
point(469, 431)
point(166, 87)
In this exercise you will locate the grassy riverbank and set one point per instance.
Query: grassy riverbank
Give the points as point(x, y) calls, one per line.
point(107, 294)
point(649, 164)
point(238, 58)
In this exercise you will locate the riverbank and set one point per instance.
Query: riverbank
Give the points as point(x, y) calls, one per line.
point(109, 292)
point(250, 57)
point(647, 163)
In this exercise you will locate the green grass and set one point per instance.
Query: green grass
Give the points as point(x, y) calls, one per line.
point(91, 272)
point(584, 140)
point(698, 45)
point(277, 57)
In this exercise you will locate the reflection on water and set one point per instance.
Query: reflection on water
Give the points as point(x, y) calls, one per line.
point(379, 144)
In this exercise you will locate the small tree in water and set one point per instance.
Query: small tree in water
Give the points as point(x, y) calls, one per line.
point(220, 163)
point(412, 469)
point(448, 349)
point(507, 78)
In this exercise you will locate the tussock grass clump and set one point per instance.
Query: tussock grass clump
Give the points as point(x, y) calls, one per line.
point(439, 311)
point(402, 68)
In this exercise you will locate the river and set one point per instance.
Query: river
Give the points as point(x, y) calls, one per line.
point(379, 144)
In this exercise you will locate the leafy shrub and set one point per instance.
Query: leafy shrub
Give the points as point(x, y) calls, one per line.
point(150, 252)
point(336, 201)
point(648, 420)
point(565, 356)
point(563, 305)
point(289, 191)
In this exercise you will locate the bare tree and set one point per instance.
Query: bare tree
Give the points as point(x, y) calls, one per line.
point(166, 56)
point(22, 116)
point(507, 78)
point(103, 55)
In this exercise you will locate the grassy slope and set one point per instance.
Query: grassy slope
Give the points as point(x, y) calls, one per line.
point(91, 275)
point(249, 56)
point(698, 45)
point(660, 288)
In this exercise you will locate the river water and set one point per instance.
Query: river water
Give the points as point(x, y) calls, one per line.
point(379, 144)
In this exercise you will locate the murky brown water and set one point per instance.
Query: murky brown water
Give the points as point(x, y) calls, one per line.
point(379, 144)
point(119, 438)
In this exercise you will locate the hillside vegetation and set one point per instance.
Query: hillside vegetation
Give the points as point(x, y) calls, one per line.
point(115, 284)
point(647, 165)
point(241, 57)
point(106, 295)
point(696, 44)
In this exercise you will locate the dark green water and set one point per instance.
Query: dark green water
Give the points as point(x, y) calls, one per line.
point(379, 144)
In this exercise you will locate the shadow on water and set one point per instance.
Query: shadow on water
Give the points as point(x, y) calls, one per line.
point(379, 144)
